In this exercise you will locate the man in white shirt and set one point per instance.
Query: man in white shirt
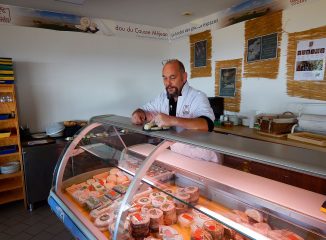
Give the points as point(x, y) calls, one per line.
point(180, 105)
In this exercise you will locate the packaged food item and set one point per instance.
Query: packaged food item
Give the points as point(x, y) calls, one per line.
point(103, 175)
point(167, 232)
point(113, 195)
point(229, 233)
point(80, 196)
point(288, 235)
point(122, 179)
point(156, 219)
point(215, 229)
point(92, 203)
point(158, 201)
point(198, 233)
point(145, 193)
point(104, 208)
point(114, 171)
point(126, 232)
point(90, 181)
point(146, 208)
point(109, 185)
point(243, 216)
point(139, 223)
point(169, 213)
point(103, 221)
point(194, 194)
point(120, 188)
point(144, 201)
point(81, 186)
point(200, 219)
point(98, 186)
point(156, 194)
point(112, 178)
point(185, 220)
point(184, 197)
point(151, 238)
point(262, 228)
point(169, 190)
point(169, 199)
point(180, 210)
point(254, 216)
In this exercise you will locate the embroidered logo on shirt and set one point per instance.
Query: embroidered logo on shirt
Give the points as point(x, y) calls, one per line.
point(186, 109)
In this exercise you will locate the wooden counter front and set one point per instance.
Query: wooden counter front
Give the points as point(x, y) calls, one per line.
point(254, 134)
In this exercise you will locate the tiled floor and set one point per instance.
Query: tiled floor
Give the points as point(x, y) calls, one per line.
point(40, 224)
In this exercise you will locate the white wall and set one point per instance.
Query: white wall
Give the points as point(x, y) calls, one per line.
point(263, 95)
point(66, 75)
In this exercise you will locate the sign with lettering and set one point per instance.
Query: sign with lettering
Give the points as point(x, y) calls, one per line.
point(310, 60)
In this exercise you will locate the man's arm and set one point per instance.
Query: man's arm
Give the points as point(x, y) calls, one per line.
point(163, 120)
point(139, 116)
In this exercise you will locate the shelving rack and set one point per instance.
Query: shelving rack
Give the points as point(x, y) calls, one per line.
point(11, 185)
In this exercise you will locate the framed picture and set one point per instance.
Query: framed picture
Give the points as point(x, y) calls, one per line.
point(254, 49)
point(200, 53)
point(262, 48)
point(227, 82)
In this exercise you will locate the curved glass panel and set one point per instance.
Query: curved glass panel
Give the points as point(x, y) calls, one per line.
point(122, 182)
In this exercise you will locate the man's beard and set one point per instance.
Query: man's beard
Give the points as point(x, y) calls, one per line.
point(174, 94)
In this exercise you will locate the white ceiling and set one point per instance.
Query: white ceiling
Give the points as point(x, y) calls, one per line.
point(159, 13)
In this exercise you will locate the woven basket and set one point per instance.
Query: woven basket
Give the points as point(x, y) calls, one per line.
point(277, 124)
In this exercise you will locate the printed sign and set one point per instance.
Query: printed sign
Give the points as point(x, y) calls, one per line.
point(310, 60)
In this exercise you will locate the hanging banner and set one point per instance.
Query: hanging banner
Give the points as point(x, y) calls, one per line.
point(11, 15)
point(125, 29)
point(310, 60)
point(246, 10)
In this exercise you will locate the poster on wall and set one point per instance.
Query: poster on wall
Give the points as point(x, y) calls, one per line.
point(227, 82)
point(200, 54)
point(310, 60)
point(262, 48)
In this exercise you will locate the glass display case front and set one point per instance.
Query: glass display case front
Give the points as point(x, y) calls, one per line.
point(118, 181)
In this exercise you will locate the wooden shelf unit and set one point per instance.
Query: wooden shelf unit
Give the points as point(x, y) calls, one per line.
point(12, 186)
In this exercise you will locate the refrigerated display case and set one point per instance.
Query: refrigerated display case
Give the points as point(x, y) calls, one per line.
point(117, 181)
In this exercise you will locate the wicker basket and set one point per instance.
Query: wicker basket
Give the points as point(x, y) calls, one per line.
point(277, 124)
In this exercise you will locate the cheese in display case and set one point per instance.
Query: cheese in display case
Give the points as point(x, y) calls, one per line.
point(117, 181)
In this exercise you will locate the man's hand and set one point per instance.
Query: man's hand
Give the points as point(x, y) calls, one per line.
point(138, 117)
point(163, 120)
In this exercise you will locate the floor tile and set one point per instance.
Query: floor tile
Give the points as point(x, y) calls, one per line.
point(4, 236)
point(42, 236)
point(21, 236)
point(37, 228)
point(18, 223)
point(15, 229)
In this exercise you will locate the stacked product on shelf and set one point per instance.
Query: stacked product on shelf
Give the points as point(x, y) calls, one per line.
point(11, 176)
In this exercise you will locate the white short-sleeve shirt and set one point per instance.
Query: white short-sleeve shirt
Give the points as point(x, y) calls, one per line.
point(191, 104)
